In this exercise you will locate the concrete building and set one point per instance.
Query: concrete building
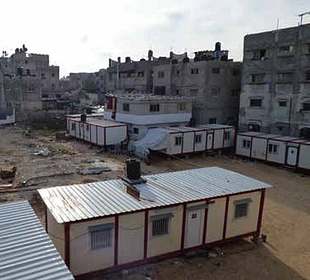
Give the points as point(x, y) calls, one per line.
point(129, 76)
point(145, 111)
point(275, 95)
point(104, 226)
point(29, 80)
point(210, 78)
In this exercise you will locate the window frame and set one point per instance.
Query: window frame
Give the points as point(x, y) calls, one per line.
point(246, 144)
point(282, 102)
point(154, 107)
point(126, 107)
point(216, 70)
point(198, 138)
point(256, 100)
point(272, 148)
point(135, 130)
point(104, 231)
point(178, 141)
point(161, 74)
point(306, 106)
point(181, 106)
point(194, 71)
point(158, 221)
point(242, 208)
point(227, 135)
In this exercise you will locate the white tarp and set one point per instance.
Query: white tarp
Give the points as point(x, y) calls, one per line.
point(155, 139)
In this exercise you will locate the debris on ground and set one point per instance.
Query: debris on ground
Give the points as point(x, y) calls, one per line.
point(42, 152)
point(7, 172)
point(93, 170)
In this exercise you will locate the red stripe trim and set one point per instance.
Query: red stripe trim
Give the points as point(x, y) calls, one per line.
point(67, 244)
point(225, 217)
point(205, 225)
point(260, 214)
point(183, 226)
point(116, 234)
point(146, 232)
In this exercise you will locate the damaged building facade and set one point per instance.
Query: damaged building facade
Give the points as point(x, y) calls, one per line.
point(210, 78)
point(28, 80)
point(275, 94)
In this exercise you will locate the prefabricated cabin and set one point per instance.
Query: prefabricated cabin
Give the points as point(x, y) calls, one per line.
point(97, 130)
point(103, 226)
point(186, 140)
point(285, 150)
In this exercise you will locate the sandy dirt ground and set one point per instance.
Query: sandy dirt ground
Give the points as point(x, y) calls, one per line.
point(286, 221)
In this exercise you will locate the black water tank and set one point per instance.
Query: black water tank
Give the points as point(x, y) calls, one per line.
point(83, 118)
point(133, 171)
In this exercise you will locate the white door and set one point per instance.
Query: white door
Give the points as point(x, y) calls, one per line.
point(209, 141)
point(292, 156)
point(194, 228)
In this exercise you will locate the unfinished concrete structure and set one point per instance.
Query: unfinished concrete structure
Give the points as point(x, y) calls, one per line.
point(132, 75)
point(28, 80)
point(275, 94)
point(210, 78)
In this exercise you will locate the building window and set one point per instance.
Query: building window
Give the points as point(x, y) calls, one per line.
point(178, 72)
point(227, 135)
point(272, 148)
point(246, 144)
point(257, 78)
point(194, 71)
point(181, 106)
point(101, 236)
point(126, 107)
point(215, 70)
point(53, 74)
point(178, 141)
point(259, 54)
point(53, 86)
point(140, 74)
point(135, 130)
point(161, 74)
point(282, 103)
point(160, 224)
point(73, 127)
point(26, 61)
point(306, 106)
point(307, 75)
point(242, 207)
point(160, 90)
point(17, 104)
point(235, 92)
point(198, 138)
point(285, 49)
point(256, 103)
point(42, 76)
point(8, 104)
point(215, 92)
point(285, 77)
point(154, 107)
point(212, 120)
point(193, 92)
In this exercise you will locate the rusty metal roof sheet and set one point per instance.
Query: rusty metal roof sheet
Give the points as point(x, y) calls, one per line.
point(26, 252)
point(81, 202)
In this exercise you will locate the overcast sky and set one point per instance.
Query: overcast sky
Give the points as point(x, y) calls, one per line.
point(80, 36)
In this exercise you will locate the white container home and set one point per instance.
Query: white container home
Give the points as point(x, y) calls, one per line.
point(284, 150)
point(96, 130)
point(103, 226)
point(7, 116)
point(185, 140)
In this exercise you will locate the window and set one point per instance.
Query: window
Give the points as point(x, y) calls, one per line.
point(160, 90)
point(215, 70)
point(160, 224)
point(198, 138)
point(307, 75)
point(306, 106)
point(17, 104)
point(73, 127)
point(235, 92)
point(43, 76)
point(259, 54)
point(8, 104)
point(135, 130)
point(193, 92)
point(140, 74)
point(246, 144)
point(212, 120)
point(26, 61)
point(178, 72)
point(194, 71)
point(53, 86)
point(101, 236)
point(285, 49)
point(161, 74)
point(178, 140)
point(53, 75)
point(272, 148)
point(256, 103)
point(215, 92)
point(241, 207)
point(257, 78)
point(227, 135)
point(282, 103)
point(285, 77)
point(154, 107)
point(126, 107)
point(181, 106)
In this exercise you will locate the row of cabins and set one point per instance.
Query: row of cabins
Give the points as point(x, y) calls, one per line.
point(103, 226)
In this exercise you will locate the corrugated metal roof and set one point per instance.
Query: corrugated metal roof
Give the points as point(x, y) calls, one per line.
point(26, 252)
point(79, 202)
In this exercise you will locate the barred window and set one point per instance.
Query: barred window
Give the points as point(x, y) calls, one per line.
point(227, 135)
point(154, 107)
point(101, 236)
point(160, 224)
point(242, 207)
point(198, 138)
point(178, 141)
point(246, 144)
